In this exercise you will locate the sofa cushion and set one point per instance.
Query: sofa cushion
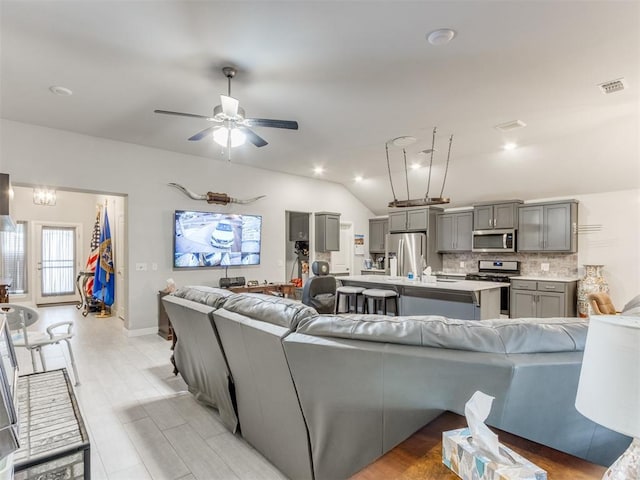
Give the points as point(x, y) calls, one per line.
point(523, 335)
point(214, 297)
point(271, 309)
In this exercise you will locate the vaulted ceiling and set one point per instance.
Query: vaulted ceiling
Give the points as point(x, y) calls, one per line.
point(354, 75)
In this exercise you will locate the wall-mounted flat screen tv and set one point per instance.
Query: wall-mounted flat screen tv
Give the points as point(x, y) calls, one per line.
point(207, 239)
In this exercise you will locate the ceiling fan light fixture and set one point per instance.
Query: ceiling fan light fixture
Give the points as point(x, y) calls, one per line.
point(221, 137)
point(441, 36)
point(403, 141)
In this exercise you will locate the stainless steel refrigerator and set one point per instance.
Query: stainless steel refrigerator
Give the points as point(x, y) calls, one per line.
point(413, 253)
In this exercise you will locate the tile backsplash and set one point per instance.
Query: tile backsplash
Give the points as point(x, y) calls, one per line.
point(560, 264)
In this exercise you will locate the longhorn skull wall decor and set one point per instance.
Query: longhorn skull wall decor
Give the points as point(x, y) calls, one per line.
point(212, 197)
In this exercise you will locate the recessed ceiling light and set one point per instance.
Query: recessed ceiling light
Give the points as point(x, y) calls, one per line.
point(61, 91)
point(415, 166)
point(318, 170)
point(404, 141)
point(509, 146)
point(358, 178)
point(441, 36)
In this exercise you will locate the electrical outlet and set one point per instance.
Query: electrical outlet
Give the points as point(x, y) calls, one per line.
point(544, 267)
point(461, 264)
point(141, 267)
point(154, 267)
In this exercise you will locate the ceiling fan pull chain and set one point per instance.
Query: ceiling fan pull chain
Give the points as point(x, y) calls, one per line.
point(433, 146)
point(406, 172)
point(386, 147)
point(446, 169)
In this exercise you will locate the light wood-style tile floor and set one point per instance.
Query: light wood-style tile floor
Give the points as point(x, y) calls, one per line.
point(143, 423)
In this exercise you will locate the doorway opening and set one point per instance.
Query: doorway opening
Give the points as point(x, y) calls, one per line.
point(297, 247)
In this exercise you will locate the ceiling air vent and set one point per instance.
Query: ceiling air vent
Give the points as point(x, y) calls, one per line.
point(512, 125)
point(613, 86)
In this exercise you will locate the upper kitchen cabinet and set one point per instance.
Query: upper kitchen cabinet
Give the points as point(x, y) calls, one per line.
point(327, 232)
point(548, 227)
point(487, 216)
point(453, 232)
point(298, 226)
point(378, 229)
point(415, 220)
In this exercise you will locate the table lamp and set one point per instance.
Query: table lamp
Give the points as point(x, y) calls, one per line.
point(609, 387)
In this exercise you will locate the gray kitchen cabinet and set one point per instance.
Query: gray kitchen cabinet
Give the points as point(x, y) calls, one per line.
point(378, 229)
point(398, 221)
point(548, 227)
point(496, 215)
point(298, 226)
point(327, 232)
point(453, 232)
point(416, 220)
point(542, 298)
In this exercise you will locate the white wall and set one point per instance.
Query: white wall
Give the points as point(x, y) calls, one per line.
point(37, 155)
point(617, 244)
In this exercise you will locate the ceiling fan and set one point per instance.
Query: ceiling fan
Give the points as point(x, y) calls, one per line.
point(232, 127)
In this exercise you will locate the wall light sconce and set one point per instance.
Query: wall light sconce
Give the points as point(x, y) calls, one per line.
point(44, 196)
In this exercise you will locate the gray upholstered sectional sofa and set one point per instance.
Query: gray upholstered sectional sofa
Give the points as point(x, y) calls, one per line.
point(322, 396)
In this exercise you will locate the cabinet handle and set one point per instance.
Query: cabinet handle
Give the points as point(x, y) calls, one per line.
point(491, 222)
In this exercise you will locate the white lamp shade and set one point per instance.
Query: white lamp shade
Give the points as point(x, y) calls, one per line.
point(609, 388)
point(221, 136)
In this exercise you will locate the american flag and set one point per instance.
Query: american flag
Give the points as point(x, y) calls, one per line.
point(93, 256)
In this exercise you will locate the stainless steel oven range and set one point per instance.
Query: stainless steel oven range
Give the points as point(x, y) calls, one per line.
point(497, 271)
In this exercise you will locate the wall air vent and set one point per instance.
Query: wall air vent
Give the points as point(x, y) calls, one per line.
point(512, 125)
point(613, 86)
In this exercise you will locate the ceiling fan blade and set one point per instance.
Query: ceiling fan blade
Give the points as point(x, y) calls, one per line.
point(253, 137)
point(229, 106)
point(268, 122)
point(181, 114)
point(203, 133)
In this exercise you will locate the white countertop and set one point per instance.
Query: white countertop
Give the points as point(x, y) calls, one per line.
point(546, 279)
point(454, 285)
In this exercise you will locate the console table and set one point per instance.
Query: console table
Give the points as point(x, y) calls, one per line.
point(87, 302)
point(54, 443)
point(285, 289)
point(420, 456)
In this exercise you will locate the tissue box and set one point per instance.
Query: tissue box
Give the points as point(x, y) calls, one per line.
point(469, 464)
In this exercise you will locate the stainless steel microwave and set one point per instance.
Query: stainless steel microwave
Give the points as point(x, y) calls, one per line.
point(500, 240)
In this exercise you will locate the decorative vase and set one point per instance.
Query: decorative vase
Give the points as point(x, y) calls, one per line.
point(592, 282)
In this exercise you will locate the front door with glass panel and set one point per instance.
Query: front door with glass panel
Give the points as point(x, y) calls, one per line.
point(57, 263)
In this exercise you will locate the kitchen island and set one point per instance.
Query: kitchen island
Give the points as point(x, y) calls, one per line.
point(464, 299)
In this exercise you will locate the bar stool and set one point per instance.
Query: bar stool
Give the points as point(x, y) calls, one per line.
point(349, 293)
point(382, 296)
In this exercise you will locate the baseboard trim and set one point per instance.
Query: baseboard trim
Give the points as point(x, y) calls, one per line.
point(138, 332)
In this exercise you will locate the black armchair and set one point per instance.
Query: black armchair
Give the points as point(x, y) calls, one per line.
point(319, 291)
